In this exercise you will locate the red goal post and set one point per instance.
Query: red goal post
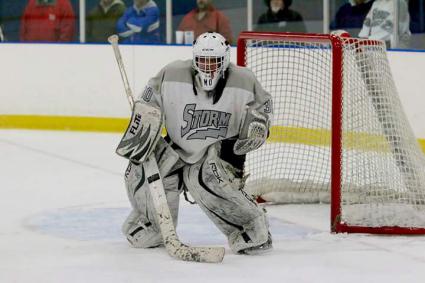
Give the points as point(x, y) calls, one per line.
point(339, 132)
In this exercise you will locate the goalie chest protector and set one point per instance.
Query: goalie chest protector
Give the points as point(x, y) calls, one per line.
point(192, 120)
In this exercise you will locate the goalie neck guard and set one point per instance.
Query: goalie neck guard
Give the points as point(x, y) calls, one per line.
point(211, 58)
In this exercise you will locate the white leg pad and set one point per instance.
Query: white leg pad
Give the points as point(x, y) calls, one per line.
point(219, 195)
point(141, 226)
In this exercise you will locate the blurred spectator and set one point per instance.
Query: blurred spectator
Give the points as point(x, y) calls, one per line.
point(351, 15)
point(140, 23)
point(417, 16)
point(379, 22)
point(1, 33)
point(280, 18)
point(205, 17)
point(48, 21)
point(101, 21)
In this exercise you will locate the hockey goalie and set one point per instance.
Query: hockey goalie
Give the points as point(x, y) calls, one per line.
point(215, 113)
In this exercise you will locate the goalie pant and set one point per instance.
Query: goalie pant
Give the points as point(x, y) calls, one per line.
point(214, 187)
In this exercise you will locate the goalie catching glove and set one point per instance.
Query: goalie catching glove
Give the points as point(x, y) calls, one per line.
point(142, 133)
point(253, 133)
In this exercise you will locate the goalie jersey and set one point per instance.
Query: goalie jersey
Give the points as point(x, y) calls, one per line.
point(195, 119)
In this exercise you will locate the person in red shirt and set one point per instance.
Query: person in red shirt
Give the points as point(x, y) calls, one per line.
point(206, 18)
point(48, 21)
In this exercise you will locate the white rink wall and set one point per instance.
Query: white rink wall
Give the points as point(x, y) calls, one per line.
point(83, 80)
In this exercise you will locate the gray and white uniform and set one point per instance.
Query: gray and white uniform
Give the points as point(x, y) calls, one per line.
point(193, 121)
point(202, 129)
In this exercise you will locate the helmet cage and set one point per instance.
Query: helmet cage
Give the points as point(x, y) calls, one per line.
point(210, 69)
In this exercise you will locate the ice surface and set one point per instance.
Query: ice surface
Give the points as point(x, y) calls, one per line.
point(63, 201)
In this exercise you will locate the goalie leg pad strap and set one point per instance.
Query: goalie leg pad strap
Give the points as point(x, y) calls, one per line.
point(217, 192)
point(141, 234)
point(254, 237)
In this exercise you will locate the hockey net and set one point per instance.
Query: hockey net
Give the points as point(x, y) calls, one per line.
point(339, 134)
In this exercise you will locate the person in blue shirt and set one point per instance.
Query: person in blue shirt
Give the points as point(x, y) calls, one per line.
point(352, 14)
point(140, 23)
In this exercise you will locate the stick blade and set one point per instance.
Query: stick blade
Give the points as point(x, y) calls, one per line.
point(196, 254)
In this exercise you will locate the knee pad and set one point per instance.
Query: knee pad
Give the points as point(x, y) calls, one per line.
point(216, 170)
point(213, 178)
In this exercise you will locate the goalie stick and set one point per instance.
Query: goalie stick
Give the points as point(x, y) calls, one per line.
point(174, 247)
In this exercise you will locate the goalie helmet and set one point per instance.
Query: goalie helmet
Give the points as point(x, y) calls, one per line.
point(211, 58)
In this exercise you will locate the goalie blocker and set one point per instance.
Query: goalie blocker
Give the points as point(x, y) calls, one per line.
point(141, 135)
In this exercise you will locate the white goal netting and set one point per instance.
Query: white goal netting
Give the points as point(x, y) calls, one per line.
point(381, 167)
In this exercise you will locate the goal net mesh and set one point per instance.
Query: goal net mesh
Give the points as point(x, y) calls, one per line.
point(382, 167)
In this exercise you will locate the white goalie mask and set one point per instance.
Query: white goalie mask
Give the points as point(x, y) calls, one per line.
point(211, 58)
